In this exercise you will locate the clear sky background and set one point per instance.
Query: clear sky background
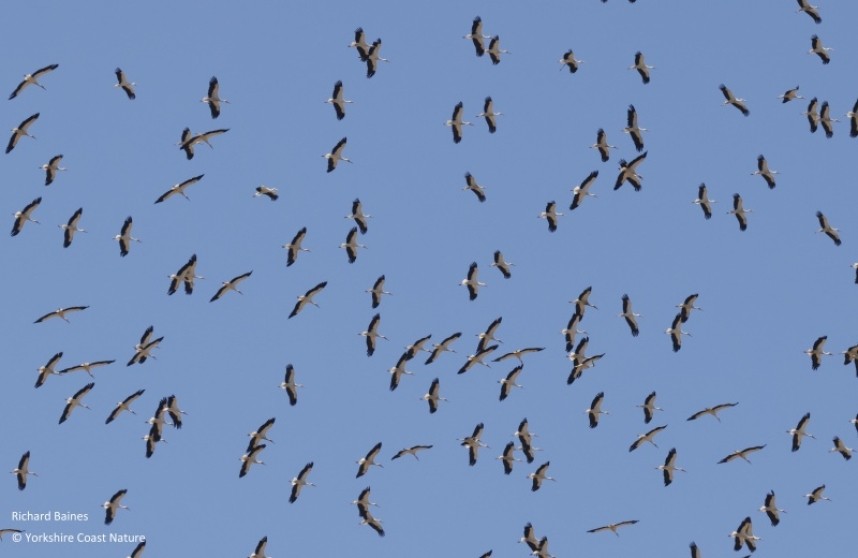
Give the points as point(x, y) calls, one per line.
point(766, 293)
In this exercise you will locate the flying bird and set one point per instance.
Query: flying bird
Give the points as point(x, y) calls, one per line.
point(230, 285)
point(300, 481)
point(338, 101)
point(456, 122)
point(613, 526)
point(21, 217)
point(630, 316)
point(70, 227)
point(852, 115)
point(371, 334)
point(742, 454)
point(550, 214)
point(472, 281)
point(703, 201)
point(351, 245)
point(790, 95)
point(731, 99)
point(518, 353)
point(398, 370)
point(744, 535)
point(432, 397)
point(124, 237)
point(212, 98)
point(373, 58)
point(179, 188)
point(628, 172)
point(812, 115)
point(798, 433)
point(123, 83)
point(841, 448)
point(509, 382)
point(649, 407)
point(810, 10)
point(143, 349)
point(33, 79)
point(850, 355)
point(817, 48)
point(771, 508)
point(632, 128)
point(525, 438)
point(443, 346)
point(489, 114)
point(595, 410)
point(359, 216)
point(476, 35)
point(21, 130)
point(495, 50)
point(648, 437)
point(477, 358)
point(250, 458)
point(184, 276)
point(289, 386)
point(60, 313)
point(816, 495)
point(411, 451)
point(190, 140)
point(367, 461)
point(816, 352)
point(86, 367)
point(259, 552)
point(22, 471)
point(359, 44)
point(473, 444)
point(676, 332)
point(825, 119)
point(377, 291)
point(336, 155)
point(582, 190)
point(471, 184)
point(307, 298)
point(502, 265)
point(764, 171)
point(51, 168)
point(740, 212)
point(48, 369)
point(687, 306)
point(540, 475)
point(294, 247)
point(714, 410)
point(124, 405)
point(267, 191)
point(570, 61)
point(489, 334)
point(641, 66)
point(669, 467)
point(508, 457)
point(114, 505)
point(826, 228)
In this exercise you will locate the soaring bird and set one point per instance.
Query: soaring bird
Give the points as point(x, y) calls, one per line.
point(377, 291)
point(816, 495)
point(472, 185)
point(230, 285)
point(798, 433)
point(641, 66)
point(582, 190)
point(398, 370)
point(570, 61)
point(300, 481)
point(816, 352)
point(740, 212)
point(259, 551)
point(359, 44)
point(825, 119)
point(525, 437)
point(250, 458)
point(649, 407)
point(51, 168)
point(60, 313)
point(367, 461)
point(473, 444)
point(22, 471)
point(495, 50)
point(476, 36)
point(294, 247)
point(268, 191)
point(472, 281)
point(289, 386)
point(338, 101)
point(48, 369)
point(703, 201)
point(595, 410)
point(336, 155)
point(817, 48)
point(731, 99)
point(114, 505)
point(687, 306)
point(790, 94)
point(212, 98)
point(648, 437)
point(190, 140)
point(373, 58)
point(509, 382)
point(550, 214)
point(810, 10)
point(33, 79)
point(676, 332)
point(502, 265)
point(124, 405)
point(184, 276)
point(812, 115)
point(714, 410)
point(630, 316)
point(742, 454)
point(70, 227)
point(669, 467)
point(488, 335)
point(21, 130)
point(432, 396)
point(456, 122)
point(632, 128)
point(841, 448)
point(179, 188)
point(852, 115)
point(123, 83)
point(124, 237)
point(21, 217)
point(490, 115)
point(628, 172)
point(351, 245)
point(508, 457)
point(771, 508)
point(602, 146)
point(826, 228)
point(764, 171)
point(307, 298)
point(613, 526)
point(411, 451)
point(744, 535)
point(540, 475)
point(518, 353)
point(371, 333)
point(360, 218)
point(144, 347)
point(443, 346)
point(477, 358)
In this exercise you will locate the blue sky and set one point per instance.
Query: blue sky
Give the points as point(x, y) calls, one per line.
point(766, 293)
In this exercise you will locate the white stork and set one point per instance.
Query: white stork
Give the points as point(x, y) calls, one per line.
point(525, 437)
point(21, 217)
point(33, 79)
point(124, 405)
point(51, 168)
point(70, 228)
point(489, 334)
point(731, 99)
point(518, 353)
point(212, 98)
point(825, 119)
point(798, 433)
point(570, 61)
point(687, 306)
point(190, 140)
point(230, 285)
point(489, 114)
point(714, 410)
point(508, 457)
point(595, 410)
point(377, 291)
point(649, 407)
point(250, 458)
point(259, 551)
point(374, 523)
point(764, 171)
point(812, 11)
point(841, 448)
point(850, 355)
point(495, 50)
point(703, 201)
point(185, 275)
point(812, 115)
point(432, 396)
point(268, 191)
point(373, 58)
point(602, 145)
point(472, 281)
point(112, 506)
point(509, 382)
point(582, 190)
point(289, 386)
point(48, 369)
point(476, 36)
point(816, 495)
point(477, 358)
point(124, 237)
point(632, 128)
point(123, 83)
point(179, 188)
point(817, 352)
point(741, 454)
point(550, 214)
point(359, 216)
point(770, 507)
point(371, 334)
point(443, 346)
point(852, 115)
point(367, 461)
point(826, 228)
point(351, 245)
point(473, 444)
point(61, 313)
point(648, 437)
point(23, 470)
point(143, 349)
point(21, 130)
point(740, 212)
point(613, 526)
point(417, 347)
point(359, 44)
point(641, 66)
point(571, 330)
point(411, 451)
point(398, 370)
point(338, 101)
point(502, 265)
point(744, 535)
point(630, 316)
point(817, 48)
point(669, 467)
point(456, 122)
point(307, 298)
point(628, 172)
point(300, 482)
point(676, 332)
point(471, 184)
point(86, 367)
point(294, 248)
point(790, 95)
point(540, 475)
point(336, 155)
